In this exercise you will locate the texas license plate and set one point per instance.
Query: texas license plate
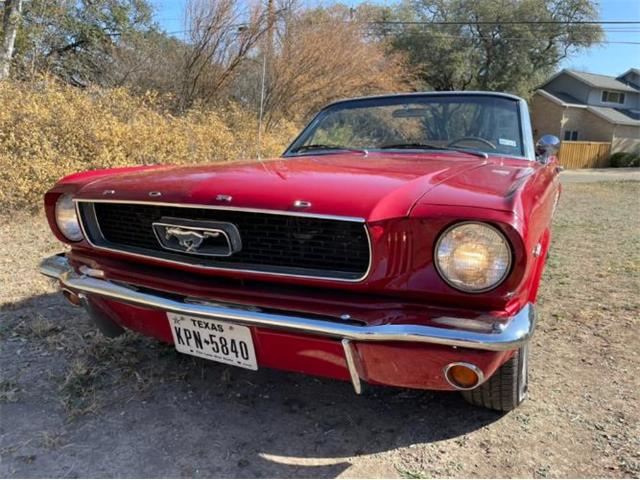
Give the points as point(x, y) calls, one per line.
point(214, 340)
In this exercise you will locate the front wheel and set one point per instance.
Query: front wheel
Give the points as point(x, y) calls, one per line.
point(507, 387)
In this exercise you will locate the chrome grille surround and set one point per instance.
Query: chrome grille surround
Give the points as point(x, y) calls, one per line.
point(95, 237)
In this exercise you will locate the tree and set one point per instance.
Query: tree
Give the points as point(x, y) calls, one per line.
point(147, 61)
point(222, 35)
point(76, 39)
point(484, 45)
point(322, 55)
point(11, 19)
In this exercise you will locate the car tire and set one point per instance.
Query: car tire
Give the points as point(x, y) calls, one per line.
point(507, 387)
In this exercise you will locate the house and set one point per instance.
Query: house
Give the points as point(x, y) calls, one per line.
point(585, 106)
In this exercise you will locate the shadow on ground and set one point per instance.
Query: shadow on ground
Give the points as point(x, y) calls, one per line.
point(86, 406)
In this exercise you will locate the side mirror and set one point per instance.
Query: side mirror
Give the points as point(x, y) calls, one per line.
point(546, 147)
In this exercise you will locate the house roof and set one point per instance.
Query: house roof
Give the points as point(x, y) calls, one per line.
point(562, 99)
point(595, 80)
point(566, 98)
point(634, 84)
point(631, 70)
point(617, 116)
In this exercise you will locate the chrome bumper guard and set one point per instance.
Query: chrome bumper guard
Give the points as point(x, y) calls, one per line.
point(484, 333)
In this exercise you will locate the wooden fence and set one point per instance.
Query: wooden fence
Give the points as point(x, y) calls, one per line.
point(584, 154)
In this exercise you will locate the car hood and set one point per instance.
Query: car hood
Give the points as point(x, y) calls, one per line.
point(371, 186)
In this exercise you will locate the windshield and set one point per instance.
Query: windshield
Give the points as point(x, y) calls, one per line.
point(483, 123)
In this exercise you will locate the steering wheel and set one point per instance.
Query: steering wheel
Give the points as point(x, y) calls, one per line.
point(472, 139)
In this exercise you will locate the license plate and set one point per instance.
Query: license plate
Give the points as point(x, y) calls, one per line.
point(214, 340)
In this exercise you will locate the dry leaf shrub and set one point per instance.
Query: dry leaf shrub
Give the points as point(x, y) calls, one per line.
point(48, 130)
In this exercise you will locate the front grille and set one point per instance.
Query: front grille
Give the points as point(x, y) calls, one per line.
point(273, 243)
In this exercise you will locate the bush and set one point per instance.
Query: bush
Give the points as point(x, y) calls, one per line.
point(48, 130)
point(624, 159)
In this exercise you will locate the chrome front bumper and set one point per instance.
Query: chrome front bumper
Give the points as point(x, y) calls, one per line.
point(484, 333)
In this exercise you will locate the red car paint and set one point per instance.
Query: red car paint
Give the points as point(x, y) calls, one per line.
point(407, 200)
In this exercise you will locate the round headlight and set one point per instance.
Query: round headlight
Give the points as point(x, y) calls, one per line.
point(473, 257)
point(66, 218)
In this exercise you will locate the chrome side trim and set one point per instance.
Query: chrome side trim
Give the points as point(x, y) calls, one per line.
point(537, 250)
point(517, 330)
point(349, 355)
point(471, 366)
point(223, 269)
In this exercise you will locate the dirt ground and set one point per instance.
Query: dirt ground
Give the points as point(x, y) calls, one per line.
point(587, 175)
point(74, 404)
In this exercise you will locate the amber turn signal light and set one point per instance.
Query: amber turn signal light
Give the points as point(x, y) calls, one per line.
point(463, 376)
point(72, 297)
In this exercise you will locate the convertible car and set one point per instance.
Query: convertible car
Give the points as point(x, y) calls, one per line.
point(399, 240)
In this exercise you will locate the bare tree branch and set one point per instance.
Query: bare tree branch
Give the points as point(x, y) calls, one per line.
point(10, 22)
point(222, 35)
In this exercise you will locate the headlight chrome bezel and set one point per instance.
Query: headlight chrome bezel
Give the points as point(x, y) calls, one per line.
point(70, 227)
point(462, 288)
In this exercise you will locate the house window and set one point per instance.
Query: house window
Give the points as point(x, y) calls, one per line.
point(571, 135)
point(612, 97)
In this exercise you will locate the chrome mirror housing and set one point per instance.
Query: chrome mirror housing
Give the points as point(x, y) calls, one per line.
point(547, 146)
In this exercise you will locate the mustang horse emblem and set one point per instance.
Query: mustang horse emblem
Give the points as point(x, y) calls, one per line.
point(189, 239)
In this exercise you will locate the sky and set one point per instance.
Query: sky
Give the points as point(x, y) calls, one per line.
point(607, 59)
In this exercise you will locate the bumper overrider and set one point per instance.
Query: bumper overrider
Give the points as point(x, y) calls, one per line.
point(499, 335)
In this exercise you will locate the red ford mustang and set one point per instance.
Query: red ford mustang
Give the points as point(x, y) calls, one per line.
point(399, 240)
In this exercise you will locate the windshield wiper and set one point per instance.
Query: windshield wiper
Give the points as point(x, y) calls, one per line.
point(318, 146)
point(428, 146)
point(416, 146)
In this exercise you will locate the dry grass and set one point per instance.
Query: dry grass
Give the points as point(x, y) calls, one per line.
point(120, 368)
point(48, 130)
point(8, 390)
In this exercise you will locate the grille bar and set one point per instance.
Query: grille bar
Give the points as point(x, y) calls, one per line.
point(283, 244)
